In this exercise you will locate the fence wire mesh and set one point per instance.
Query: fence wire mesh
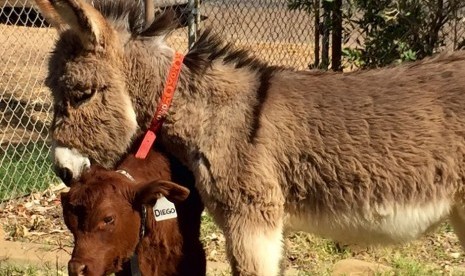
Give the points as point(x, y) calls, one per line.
point(268, 28)
point(24, 101)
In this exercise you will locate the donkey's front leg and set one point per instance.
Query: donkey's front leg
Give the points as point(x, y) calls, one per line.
point(254, 241)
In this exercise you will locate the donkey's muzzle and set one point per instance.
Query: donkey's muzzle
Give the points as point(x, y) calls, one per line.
point(69, 163)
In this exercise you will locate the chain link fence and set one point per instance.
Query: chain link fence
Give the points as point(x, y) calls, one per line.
point(454, 32)
point(25, 104)
point(268, 28)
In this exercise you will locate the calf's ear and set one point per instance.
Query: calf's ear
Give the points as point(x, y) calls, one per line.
point(149, 192)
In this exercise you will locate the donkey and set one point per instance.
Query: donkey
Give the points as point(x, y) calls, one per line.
point(115, 231)
point(373, 157)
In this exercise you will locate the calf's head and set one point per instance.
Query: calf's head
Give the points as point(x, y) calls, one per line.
point(103, 211)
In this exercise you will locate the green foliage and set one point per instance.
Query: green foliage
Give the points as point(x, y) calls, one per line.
point(392, 31)
point(398, 30)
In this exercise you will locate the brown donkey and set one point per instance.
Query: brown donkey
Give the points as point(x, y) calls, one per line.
point(374, 156)
point(111, 216)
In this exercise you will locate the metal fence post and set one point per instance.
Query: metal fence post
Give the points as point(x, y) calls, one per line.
point(192, 21)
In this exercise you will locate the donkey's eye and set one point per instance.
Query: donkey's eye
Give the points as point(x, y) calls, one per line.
point(87, 94)
point(109, 219)
point(83, 95)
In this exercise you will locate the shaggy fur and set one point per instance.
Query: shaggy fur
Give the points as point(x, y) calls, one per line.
point(374, 156)
point(103, 246)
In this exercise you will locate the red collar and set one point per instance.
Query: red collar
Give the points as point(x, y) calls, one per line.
point(162, 108)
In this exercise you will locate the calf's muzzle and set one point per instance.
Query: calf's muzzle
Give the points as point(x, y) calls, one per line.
point(76, 268)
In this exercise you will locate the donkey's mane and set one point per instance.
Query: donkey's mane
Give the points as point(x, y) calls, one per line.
point(209, 47)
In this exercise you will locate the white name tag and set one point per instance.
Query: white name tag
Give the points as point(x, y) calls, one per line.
point(164, 209)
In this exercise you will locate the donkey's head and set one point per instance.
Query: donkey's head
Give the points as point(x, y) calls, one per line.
point(95, 69)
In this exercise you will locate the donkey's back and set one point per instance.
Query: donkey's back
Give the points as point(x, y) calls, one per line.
point(369, 156)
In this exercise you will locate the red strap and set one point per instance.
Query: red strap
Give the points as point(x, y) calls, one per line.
point(162, 108)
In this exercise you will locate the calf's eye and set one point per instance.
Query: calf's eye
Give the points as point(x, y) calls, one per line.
point(109, 219)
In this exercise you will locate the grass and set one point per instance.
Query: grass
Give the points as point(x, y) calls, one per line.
point(24, 169)
point(438, 253)
point(402, 267)
point(30, 270)
point(409, 267)
point(7, 269)
point(307, 254)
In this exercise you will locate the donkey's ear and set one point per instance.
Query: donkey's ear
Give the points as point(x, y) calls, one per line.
point(81, 17)
point(51, 15)
point(149, 192)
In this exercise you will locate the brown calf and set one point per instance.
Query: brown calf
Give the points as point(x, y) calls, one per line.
point(104, 211)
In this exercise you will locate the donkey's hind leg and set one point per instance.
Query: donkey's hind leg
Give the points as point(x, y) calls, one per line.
point(254, 245)
point(457, 220)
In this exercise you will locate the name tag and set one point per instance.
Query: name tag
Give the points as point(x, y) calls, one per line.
point(164, 209)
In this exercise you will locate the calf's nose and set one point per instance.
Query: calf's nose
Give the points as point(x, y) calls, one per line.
point(76, 268)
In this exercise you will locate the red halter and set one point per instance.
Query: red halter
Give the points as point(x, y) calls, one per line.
point(162, 108)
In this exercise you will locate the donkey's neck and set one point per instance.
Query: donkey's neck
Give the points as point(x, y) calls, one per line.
point(211, 109)
point(147, 67)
